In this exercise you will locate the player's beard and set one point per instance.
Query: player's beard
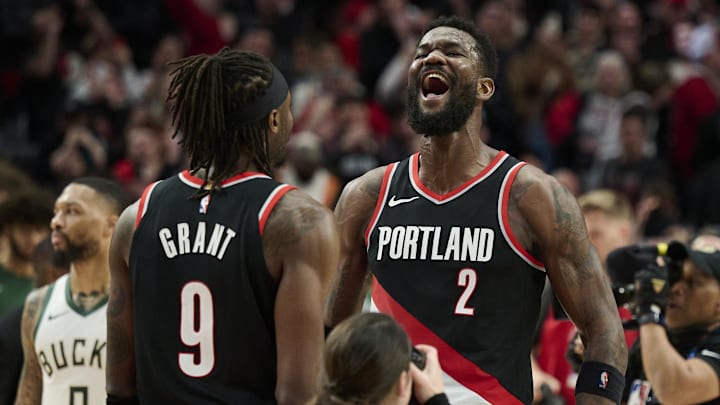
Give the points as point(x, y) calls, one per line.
point(460, 105)
point(76, 252)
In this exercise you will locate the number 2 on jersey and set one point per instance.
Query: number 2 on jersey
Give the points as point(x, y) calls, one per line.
point(467, 278)
point(197, 332)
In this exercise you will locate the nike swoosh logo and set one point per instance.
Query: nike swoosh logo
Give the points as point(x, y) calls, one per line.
point(395, 202)
point(53, 316)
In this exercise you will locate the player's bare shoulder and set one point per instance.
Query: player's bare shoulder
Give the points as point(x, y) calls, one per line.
point(359, 197)
point(539, 205)
point(296, 216)
point(124, 231)
point(32, 309)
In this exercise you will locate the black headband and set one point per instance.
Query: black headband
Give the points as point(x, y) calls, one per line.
point(274, 96)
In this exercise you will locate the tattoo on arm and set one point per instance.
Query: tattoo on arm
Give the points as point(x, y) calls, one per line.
point(353, 212)
point(289, 222)
point(30, 387)
point(116, 304)
point(117, 336)
point(32, 306)
point(120, 371)
point(572, 238)
point(371, 187)
point(120, 341)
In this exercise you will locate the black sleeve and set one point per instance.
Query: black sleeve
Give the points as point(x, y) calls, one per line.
point(439, 399)
point(709, 351)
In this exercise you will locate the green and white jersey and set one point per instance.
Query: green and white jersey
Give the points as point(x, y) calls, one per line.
point(71, 347)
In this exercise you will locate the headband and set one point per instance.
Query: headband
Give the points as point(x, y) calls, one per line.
point(274, 96)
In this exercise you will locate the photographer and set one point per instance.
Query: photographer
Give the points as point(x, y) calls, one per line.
point(680, 364)
point(369, 360)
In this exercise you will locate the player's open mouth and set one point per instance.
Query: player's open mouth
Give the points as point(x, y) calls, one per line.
point(434, 86)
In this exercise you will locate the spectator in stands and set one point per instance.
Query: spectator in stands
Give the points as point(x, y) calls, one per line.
point(146, 159)
point(305, 169)
point(634, 167)
point(47, 267)
point(24, 222)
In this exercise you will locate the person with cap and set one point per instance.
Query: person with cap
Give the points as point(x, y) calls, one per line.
point(220, 273)
point(678, 310)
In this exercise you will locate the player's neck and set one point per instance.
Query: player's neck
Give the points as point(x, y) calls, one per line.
point(90, 275)
point(446, 162)
point(241, 167)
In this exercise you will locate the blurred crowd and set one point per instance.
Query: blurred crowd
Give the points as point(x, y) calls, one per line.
point(618, 99)
point(602, 93)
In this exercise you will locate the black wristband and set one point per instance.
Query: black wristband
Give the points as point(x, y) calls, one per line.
point(438, 399)
point(650, 317)
point(600, 379)
point(115, 400)
point(649, 314)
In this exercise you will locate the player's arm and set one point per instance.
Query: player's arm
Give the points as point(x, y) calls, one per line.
point(353, 212)
point(31, 383)
point(120, 372)
point(550, 221)
point(301, 243)
point(675, 379)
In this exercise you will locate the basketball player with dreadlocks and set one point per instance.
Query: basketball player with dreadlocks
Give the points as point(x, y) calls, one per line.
point(219, 274)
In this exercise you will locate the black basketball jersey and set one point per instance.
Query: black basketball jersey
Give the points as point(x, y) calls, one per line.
point(203, 296)
point(449, 269)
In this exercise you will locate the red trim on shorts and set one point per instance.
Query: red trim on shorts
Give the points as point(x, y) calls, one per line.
point(270, 203)
point(453, 363)
point(143, 202)
point(415, 173)
point(199, 182)
point(506, 220)
point(380, 202)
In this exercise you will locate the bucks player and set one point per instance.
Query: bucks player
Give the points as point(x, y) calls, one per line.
point(63, 324)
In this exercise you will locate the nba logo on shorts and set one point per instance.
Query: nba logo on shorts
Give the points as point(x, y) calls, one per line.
point(603, 380)
point(204, 204)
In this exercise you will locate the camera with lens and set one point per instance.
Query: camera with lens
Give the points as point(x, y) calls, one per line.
point(624, 262)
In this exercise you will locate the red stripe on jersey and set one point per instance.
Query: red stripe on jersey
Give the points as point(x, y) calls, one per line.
point(143, 202)
point(506, 220)
point(185, 174)
point(415, 173)
point(453, 363)
point(270, 203)
point(380, 202)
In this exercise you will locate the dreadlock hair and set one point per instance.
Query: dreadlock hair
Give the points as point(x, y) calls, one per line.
point(205, 93)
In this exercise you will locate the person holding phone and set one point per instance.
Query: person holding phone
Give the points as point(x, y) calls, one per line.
point(369, 360)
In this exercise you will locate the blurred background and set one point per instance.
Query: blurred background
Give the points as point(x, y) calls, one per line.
point(603, 94)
